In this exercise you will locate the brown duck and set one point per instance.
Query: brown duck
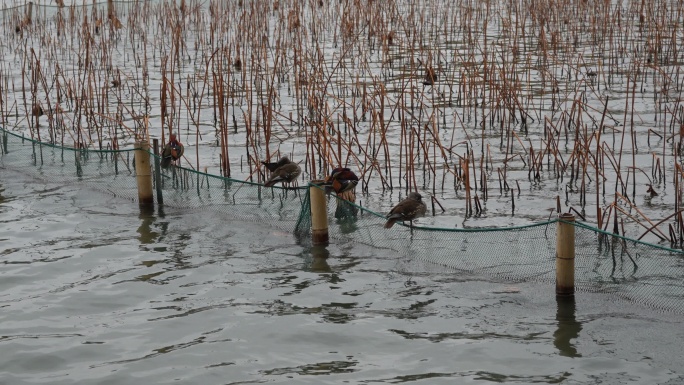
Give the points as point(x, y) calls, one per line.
point(287, 172)
point(272, 166)
point(37, 110)
point(430, 77)
point(407, 210)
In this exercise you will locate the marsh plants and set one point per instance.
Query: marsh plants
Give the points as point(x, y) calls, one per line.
point(500, 112)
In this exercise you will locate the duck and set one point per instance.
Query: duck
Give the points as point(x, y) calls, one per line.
point(286, 172)
point(430, 77)
point(172, 151)
point(37, 110)
point(272, 166)
point(407, 210)
point(341, 180)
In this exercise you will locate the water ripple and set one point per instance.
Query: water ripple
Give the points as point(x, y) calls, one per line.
point(202, 298)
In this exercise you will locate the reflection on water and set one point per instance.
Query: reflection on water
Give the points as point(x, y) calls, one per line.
point(347, 225)
point(319, 259)
point(568, 327)
point(147, 234)
point(345, 216)
point(136, 296)
point(319, 368)
point(4, 198)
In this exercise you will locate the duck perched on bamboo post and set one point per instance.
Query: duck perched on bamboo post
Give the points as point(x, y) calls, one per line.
point(342, 181)
point(407, 210)
point(172, 151)
point(283, 171)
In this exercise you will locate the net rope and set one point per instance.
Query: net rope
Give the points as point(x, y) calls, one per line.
point(628, 269)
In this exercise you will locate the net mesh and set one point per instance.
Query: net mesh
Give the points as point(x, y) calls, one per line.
point(103, 170)
point(630, 270)
point(113, 172)
point(185, 188)
point(625, 268)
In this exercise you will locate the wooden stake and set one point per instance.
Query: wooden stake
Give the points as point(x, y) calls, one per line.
point(29, 13)
point(565, 255)
point(143, 173)
point(111, 15)
point(27, 18)
point(157, 171)
point(110, 9)
point(319, 214)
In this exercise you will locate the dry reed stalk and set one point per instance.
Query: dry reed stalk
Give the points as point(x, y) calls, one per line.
point(496, 88)
point(466, 178)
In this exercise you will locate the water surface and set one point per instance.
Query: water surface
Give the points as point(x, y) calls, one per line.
point(94, 291)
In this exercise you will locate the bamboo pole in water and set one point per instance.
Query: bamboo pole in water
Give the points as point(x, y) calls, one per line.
point(143, 173)
point(319, 214)
point(565, 255)
point(157, 171)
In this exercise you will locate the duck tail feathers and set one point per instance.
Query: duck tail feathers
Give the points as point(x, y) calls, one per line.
point(272, 182)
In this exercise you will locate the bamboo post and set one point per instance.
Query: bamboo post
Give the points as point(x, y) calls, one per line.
point(77, 159)
point(157, 172)
point(110, 9)
point(319, 214)
point(27, 18)
point(29, 13)
point(111, 15)
point(143, 172)
point(565, 255)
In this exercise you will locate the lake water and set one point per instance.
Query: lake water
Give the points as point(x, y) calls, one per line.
point(94, 291)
